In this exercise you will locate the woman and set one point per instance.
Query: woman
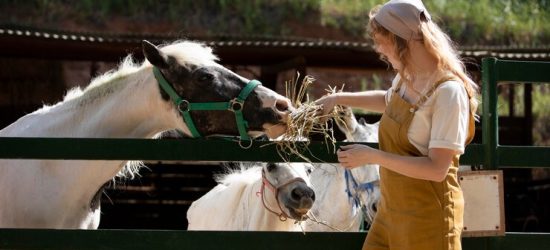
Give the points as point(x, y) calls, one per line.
point(428, 118)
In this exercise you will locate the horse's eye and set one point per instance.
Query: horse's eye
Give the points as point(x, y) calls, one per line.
point(308, 171)
point(206, 77)
point(271, 167)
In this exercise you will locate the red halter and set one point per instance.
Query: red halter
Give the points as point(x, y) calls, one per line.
point(275, 189)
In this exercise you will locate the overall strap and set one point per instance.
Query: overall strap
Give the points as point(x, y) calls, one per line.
point(425, 97)
point(398, 86)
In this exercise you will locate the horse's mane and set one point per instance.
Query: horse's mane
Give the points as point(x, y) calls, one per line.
point(189, 53)
point(243, 173)
point(186, 53)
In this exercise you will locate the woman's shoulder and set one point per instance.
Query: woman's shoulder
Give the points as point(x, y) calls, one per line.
point(451, 86)
point(452, 89)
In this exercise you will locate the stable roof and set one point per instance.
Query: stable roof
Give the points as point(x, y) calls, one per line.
point(25, 42)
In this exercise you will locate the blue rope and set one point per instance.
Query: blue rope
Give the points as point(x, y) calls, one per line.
point(350, 180)
point(352, 184)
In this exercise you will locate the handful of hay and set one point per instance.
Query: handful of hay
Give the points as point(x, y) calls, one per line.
point(305, 120)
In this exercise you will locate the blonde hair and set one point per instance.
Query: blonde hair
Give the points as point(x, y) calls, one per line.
point(438, 44)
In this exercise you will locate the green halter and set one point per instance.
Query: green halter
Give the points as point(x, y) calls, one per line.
point(235, 105)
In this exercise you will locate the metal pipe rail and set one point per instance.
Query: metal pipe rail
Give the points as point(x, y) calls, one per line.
point(46, 239)
point(181, 149)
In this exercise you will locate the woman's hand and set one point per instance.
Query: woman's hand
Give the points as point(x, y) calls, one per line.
point(327, 102)
point(354, 155)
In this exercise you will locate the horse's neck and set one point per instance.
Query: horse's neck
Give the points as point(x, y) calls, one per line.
point(136, 110)
point(365, 133)
point(330, 185)
point(332, 203)
point(129, 106)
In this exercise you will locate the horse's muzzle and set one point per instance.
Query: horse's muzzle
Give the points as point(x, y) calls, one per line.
point(300, 201)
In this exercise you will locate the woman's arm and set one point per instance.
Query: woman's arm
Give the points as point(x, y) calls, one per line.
point(433, 167)
point(372, 100)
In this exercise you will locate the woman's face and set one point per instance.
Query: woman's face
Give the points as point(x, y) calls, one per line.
point(384, 46)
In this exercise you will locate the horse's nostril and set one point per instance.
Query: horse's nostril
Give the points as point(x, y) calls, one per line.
point(281, 105)
point(296, 194)
point(299, 193)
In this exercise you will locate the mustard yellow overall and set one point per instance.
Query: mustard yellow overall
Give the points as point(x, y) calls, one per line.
point(414, 213)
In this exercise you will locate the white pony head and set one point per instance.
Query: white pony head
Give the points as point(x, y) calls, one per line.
point(290, 184)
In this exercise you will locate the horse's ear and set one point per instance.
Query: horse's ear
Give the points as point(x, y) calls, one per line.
point(154, 55)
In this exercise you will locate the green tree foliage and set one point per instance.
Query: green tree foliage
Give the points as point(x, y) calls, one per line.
point(495, 21)
point(506, 22)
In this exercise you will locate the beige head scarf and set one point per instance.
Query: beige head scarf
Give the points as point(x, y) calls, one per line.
point(403, 17)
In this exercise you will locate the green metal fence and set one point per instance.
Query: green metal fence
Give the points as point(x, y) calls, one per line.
point(498, 71)
point(490, 154)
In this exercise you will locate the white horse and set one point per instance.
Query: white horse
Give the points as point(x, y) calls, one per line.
point(346, 197)
point(134, 101)
point(271, 197)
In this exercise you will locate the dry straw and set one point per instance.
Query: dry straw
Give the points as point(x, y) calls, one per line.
point(307, 119)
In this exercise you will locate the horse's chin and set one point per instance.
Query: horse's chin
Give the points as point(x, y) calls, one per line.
point(297, 214)
point(274, 131)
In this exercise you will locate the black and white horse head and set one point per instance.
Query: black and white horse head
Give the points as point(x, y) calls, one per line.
point(192, 71)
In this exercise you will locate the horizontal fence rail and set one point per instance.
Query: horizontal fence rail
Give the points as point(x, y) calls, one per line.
point(523, 156)
point(520, 71)
point(45, 239)
point(170, 149)
point(222, 150)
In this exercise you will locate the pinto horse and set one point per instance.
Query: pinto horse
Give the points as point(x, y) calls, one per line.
point(174, 88)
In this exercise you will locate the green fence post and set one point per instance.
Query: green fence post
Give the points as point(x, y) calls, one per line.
point(490, 114)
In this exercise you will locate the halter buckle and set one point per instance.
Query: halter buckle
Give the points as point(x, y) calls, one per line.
point(184, 106)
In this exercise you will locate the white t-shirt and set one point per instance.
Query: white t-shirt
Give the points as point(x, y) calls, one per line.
point(442, 121)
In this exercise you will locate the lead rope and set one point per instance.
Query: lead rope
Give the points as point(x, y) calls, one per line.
point(355, 197)
point(314, 219)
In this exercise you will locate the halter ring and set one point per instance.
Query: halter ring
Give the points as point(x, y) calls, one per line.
point(235, 105)
point(245, 146)
point(184, 106)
